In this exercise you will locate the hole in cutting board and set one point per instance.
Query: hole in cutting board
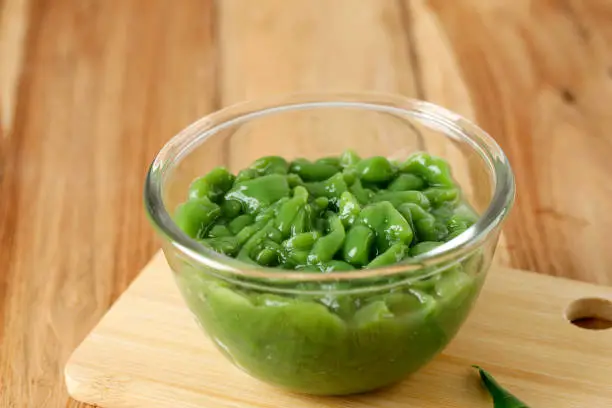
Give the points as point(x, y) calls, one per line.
point(590, 313)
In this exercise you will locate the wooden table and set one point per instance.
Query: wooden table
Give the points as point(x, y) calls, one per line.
point(91, 89)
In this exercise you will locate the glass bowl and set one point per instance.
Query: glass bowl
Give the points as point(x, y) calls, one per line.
point(340, 332)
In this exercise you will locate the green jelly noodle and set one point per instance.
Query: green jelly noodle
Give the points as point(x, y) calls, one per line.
point(333, 214)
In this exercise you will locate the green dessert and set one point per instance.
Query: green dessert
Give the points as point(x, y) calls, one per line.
point(330, 215)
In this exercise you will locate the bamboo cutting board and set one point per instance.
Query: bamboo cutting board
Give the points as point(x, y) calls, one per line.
point(148, 352)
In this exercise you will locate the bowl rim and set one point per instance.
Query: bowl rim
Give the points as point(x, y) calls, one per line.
point(436, 117)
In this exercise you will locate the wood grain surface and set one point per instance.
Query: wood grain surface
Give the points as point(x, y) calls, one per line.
point(91, 89)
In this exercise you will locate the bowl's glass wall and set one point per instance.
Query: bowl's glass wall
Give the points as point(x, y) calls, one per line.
point(332, 338)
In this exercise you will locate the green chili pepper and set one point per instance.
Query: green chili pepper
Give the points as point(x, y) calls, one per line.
point(320, 225)
point(357, 245)
point(427, 227)
point(326, 247)
point(394, 254)
point(271, 211)
point(398, 198)
point(333, 161)
point(457, 223)
point(388, 224)
point(435, 171)
point(350, 175)
point(375, 169)
point(213, 185)
point(349, 158)
point(372, 313)
point(430, 229)
point(304, 240)
point(253, 244)
point(270, 165)
point(246, 174)
point(219, 230)
point(247, 232)
point(320, 203)
point(501, 397)
point(374, 187)
point(275, 235)
point(463, 218)
point(331, 188)
point(303, 220)
point(363, 195)
point(349, 209)
point(294, 180)
point(290, 210)
point(439, 195)
point(224, 245)
point(295, 259)
point(423, 247)
point(260, 192)
point(405, 182)
point(309, 171)
point(195, 217)
point(308, 268)
point(237, 224)
point(334, 265)
point(230, 209)
point(269, 255)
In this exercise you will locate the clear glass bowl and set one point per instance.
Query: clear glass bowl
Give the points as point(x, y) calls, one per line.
point(340, 332)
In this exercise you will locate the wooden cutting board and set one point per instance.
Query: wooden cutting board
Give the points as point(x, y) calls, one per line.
point(148, 352)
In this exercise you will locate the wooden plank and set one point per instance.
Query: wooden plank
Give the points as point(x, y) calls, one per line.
point(14, 16)
point(542, 90)
point(103, 86)
point(148, 352)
